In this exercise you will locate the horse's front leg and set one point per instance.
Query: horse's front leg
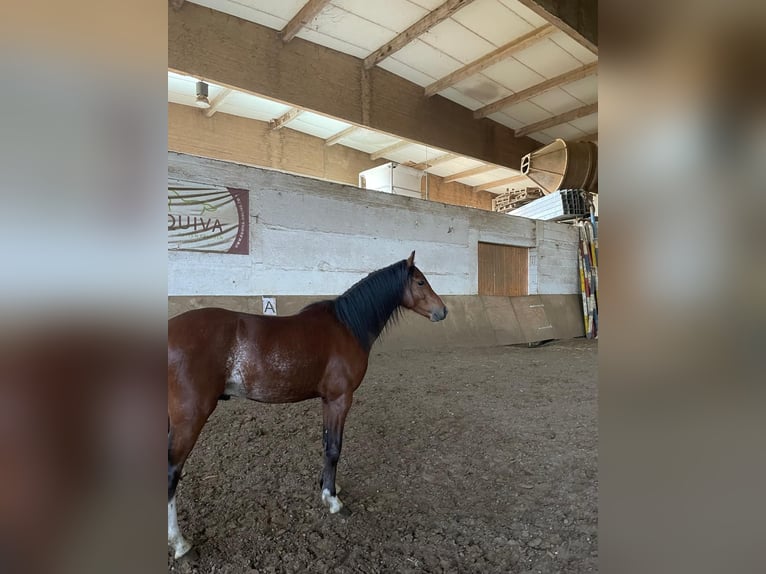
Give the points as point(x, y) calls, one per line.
point(334, 415)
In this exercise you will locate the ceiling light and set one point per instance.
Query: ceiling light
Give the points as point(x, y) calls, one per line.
point(202, 101)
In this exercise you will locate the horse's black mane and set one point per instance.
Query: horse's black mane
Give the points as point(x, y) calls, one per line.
point(370, 304)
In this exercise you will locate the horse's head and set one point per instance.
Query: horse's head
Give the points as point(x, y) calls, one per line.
point(418, 295)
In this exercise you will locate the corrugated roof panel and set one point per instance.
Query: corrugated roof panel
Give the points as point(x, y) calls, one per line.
point(429, 5)
point(493, 21)
point(454, 166)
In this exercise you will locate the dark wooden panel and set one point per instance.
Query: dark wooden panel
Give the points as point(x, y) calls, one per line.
point(503, 270)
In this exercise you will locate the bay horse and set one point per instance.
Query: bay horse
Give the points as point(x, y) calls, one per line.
point(321, 352)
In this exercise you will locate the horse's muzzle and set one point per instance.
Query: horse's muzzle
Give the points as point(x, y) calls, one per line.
point(439, 315)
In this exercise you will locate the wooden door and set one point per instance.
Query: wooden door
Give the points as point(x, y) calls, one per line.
point(503, 270)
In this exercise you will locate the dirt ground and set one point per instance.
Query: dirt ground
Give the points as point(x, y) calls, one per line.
point(472, 460)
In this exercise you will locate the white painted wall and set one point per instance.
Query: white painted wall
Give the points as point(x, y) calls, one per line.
point(312, 237)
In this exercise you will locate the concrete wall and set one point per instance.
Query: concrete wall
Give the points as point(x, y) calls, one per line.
point(312, 239)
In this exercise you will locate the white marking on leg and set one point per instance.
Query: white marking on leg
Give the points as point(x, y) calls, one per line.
point(332, 501)
point(175, 538)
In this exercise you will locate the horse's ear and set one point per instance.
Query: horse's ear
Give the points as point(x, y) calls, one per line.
point(411, 259)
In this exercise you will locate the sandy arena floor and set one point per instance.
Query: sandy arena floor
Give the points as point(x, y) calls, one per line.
point(471, 460)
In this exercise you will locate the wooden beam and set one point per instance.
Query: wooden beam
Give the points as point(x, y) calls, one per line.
point(499, 182)
point(558, 22)
point(490, 59)
point(425, 165)
point(217, 101)
point(176, 4)
point(536, 90)
point(469, 172)
point(557, 120)
point(417, 29)
point(243, 55)
point(392, 148)
point(332, 140)
point(304, 16)
point(284, 119)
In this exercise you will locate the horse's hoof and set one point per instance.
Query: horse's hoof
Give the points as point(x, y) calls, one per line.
point(333, 502)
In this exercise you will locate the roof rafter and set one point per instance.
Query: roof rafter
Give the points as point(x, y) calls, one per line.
point(536, 90)
point(217, 101)
point(469, 172)
point(574, 114)
point(392, 148)
point(490, 59)
point(417, 29)
point(333, 139)
point(284, 119)
point(499, 182)
point(304, 16)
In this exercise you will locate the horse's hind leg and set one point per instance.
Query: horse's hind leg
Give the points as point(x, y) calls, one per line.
point(334, 415)
point(184, 429)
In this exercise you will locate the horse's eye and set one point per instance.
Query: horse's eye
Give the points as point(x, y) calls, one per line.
point(421, 282)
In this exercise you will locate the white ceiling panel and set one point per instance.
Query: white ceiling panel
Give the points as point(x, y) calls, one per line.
point(333, 43)
point(576, 49)
point(547, 58)
point(513, 75)
point(526, 112)
point(563, 131)
point(493, 21)
point(542, 138)
point(429, 5)
point(524, 12)
point(411, 152)
point(349, 28)
point(556, 101)
point(316, 125)
point(400, 69)
point(392, 14)
point(368, 141)
point(253, 107)
point(588, 124)
point(457, 41)
point(272, 13)
point(482, 89)
point(461, 98)
point(427, 59)
point(506, 120)
point(486, 177)
point(585, 90)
